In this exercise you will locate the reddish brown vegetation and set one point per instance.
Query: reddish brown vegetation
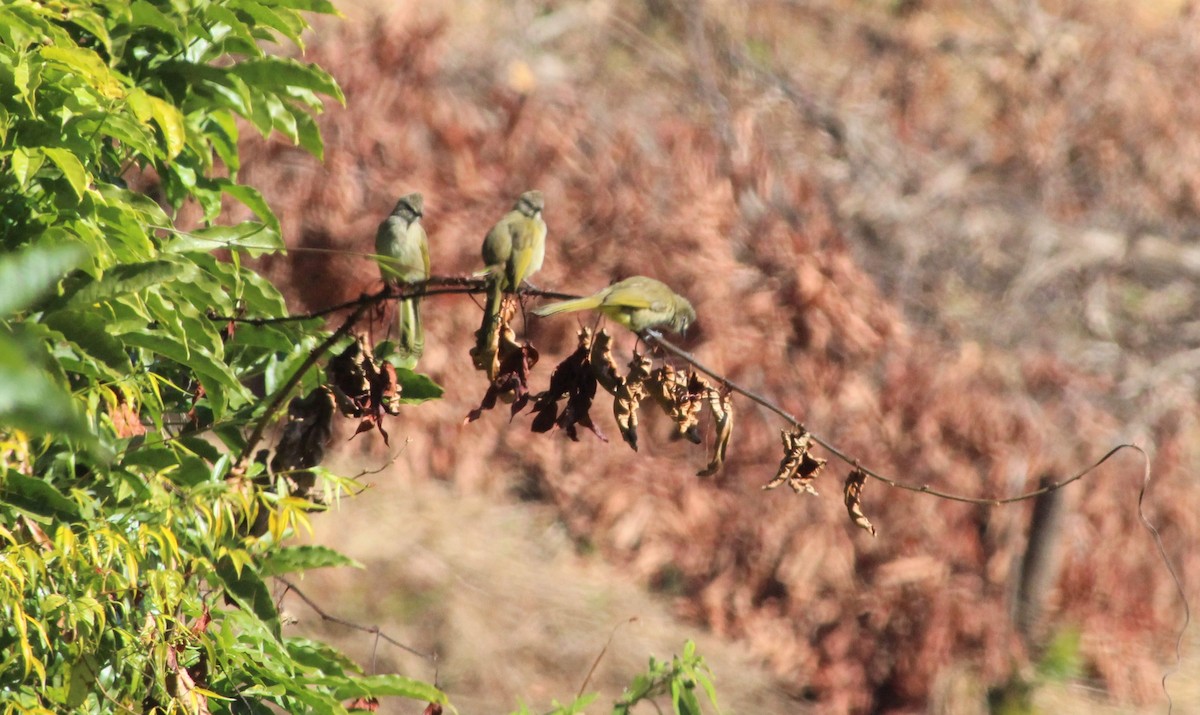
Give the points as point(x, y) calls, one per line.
point(739, 187)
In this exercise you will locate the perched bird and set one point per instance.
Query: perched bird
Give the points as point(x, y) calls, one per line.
point(514, 249)
point(639, 303)
point(403, 251)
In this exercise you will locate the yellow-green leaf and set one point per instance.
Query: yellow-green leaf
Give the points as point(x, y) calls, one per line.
point(88, 65)
point(25, 163)
point(74, 172)
point(170, 121)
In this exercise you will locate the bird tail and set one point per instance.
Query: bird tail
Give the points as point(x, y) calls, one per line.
point(411, 336)
point(568, 306)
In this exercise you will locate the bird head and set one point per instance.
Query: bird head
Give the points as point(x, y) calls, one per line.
point(685, 315)
point(410, 207)
point(531, 203)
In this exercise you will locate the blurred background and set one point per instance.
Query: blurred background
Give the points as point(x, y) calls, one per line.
point(957, 239)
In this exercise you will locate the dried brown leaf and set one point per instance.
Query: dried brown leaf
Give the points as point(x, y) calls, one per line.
point(721, 405)
point(627, 397)
point(511, 384)
point(853, 497)
point(489, 351)
point(307, 432)
point(347, 377)
point(602, 362)
point(798, 468)
point(363, 386)
point(681, 396)
point(575, 380)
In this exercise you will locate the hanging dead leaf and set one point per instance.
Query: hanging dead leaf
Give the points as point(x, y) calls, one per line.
point(385, 389)
point(602, 362)
point(681, 396)
point(798, 468)
point(302, 445)
point(853, 497)
point(182, 684)
point(720, 403)
point(575, 380)
point(627, 397)
point(363, 386)
point(200, 625)
point(511, 383)
point(347, 377)
point(487, 354)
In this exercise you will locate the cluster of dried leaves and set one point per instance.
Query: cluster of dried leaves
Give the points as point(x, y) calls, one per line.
point(363, 386)
point(567, 402)
point(746, 204)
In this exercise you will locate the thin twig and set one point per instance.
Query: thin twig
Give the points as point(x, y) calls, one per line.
point(434, 285)
point(687, 357)
point(600, 656)
point(1162, 552)
point(375, 630)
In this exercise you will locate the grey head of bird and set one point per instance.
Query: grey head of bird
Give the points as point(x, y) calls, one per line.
point(530, 204)
point(684, 316)
point(410, 207)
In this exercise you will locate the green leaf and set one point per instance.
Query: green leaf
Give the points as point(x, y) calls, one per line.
point(309, 134)
point(249, 236)
point(233, 34)
point(86, 329)
point(249, 592)
point(415, 387)
point(169, 119)
point(214, 375)
point(122, 280)
point(87, 65)
point(94, 23)
point(25, 163)
point(26, 276)
point(320, 656)
point(291, 559)
point(252, 199)
point(317, 6)
point(384, 685)
point(280, 73)
point(144, 14)
point(285, 21)
point(141, 206)
point(74, 172)
point(139, 137)
point(222, 134)
point(36, 496)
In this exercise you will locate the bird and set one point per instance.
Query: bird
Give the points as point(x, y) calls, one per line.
point(403, 256)
point(638, 303)
point(514, 248)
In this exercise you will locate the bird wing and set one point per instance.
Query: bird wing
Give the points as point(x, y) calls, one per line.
point(424, 243)
point(498, 244)
point(524, 242)
point(387, 245)
point(624, 296)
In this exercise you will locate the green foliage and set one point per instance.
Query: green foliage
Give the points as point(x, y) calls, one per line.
point(131, 577)
point(676, 679)
point(137, 542)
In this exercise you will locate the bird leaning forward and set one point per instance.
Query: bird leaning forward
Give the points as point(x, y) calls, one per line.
point(403, 255)
point(639, 303)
